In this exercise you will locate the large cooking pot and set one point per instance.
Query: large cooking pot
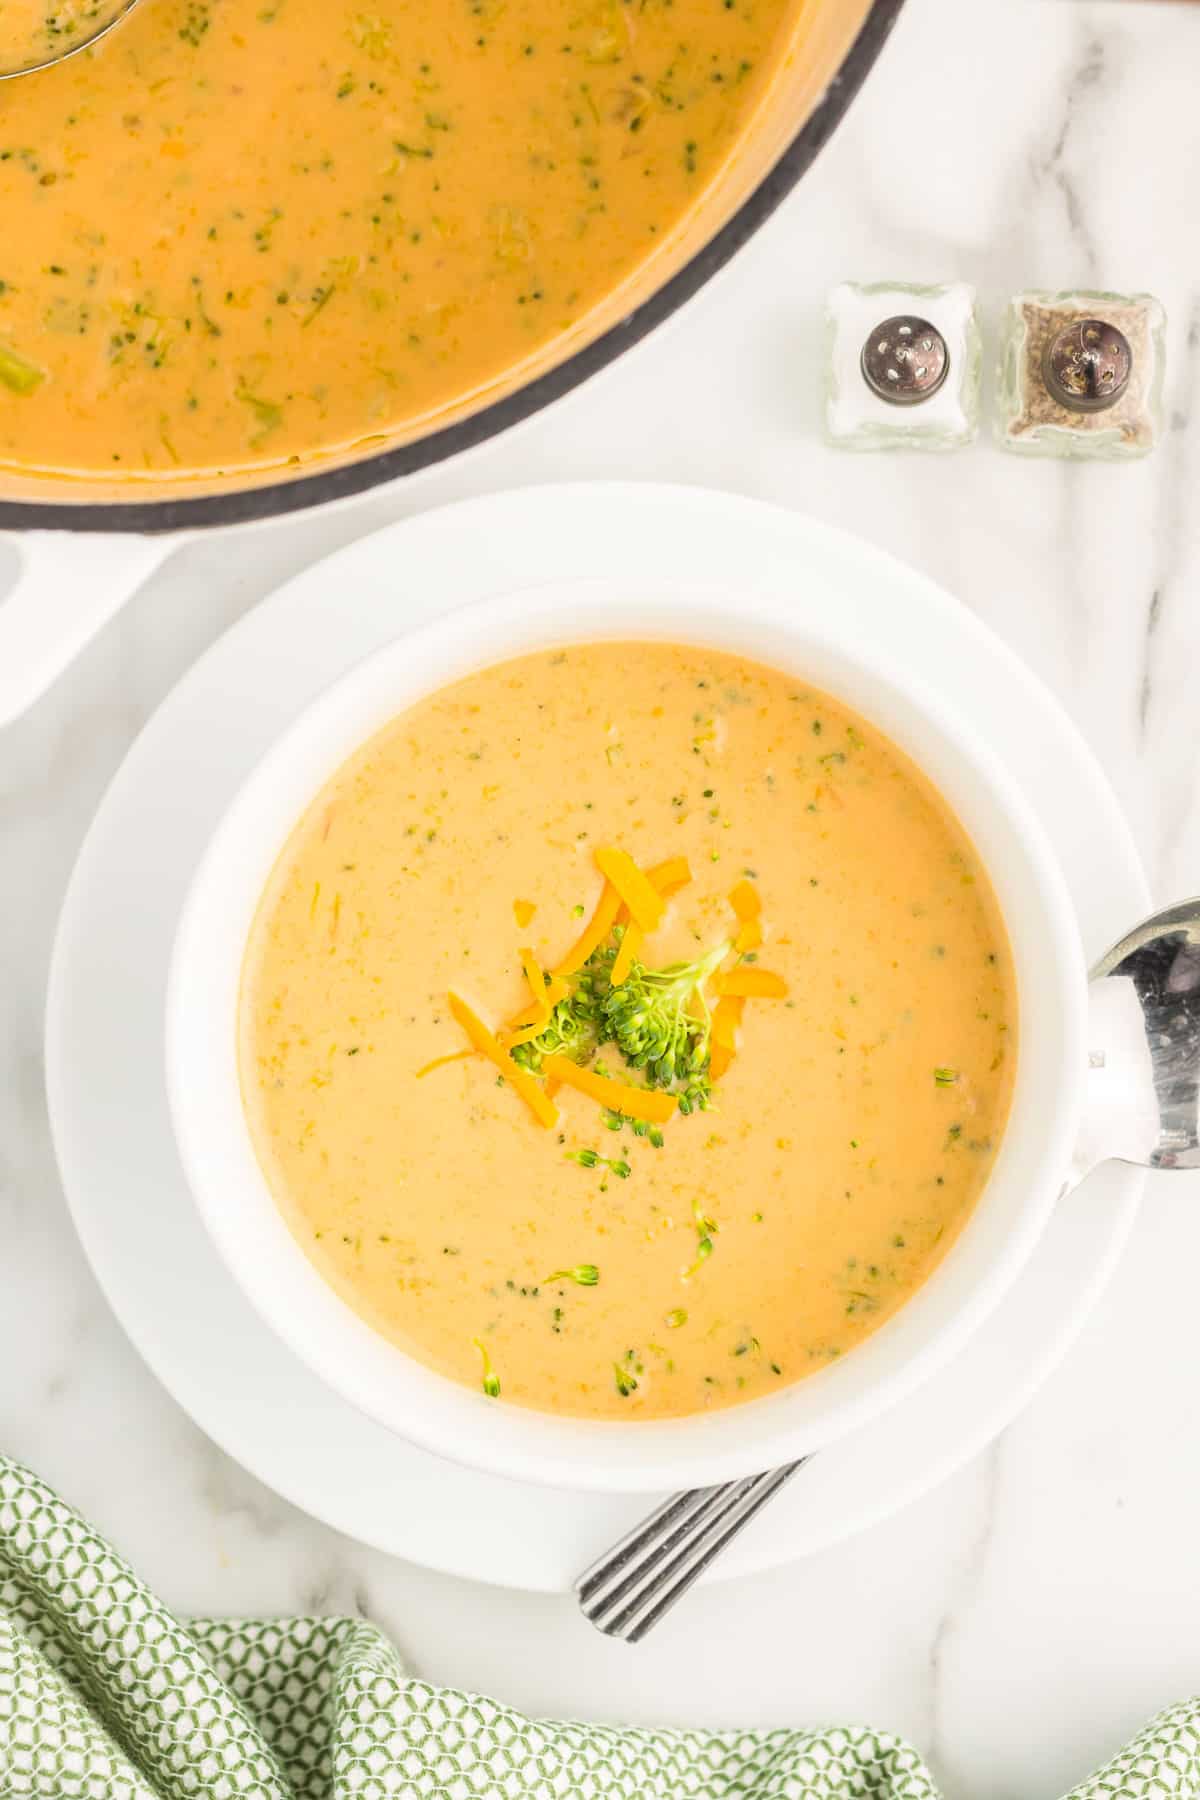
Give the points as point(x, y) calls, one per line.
point(69, 583)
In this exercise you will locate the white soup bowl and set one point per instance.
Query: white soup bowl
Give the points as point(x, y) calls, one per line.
point(802, 631)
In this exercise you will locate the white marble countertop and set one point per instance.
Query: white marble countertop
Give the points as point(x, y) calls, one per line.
point(1022, 1620)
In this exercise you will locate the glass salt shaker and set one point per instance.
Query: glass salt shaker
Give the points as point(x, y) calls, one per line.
point(902, 370)
point(1081, 375)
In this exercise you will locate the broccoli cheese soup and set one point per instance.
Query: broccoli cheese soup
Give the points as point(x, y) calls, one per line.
point(242, 232)
point(627, 1030)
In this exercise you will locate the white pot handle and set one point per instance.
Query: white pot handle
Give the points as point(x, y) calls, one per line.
point(70, 583)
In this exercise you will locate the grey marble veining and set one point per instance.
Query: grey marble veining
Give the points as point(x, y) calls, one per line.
point(1024, 1617)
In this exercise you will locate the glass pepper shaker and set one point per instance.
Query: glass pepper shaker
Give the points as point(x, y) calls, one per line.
point(902, 369)
point(1081, 375)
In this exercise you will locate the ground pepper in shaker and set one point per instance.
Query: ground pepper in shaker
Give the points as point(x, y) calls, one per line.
point(903, 366)
point(1081, 375)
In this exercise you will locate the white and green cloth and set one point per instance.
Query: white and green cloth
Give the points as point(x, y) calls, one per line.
point(104, 1695)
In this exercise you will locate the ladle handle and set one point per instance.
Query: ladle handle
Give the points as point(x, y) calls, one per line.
point(69, 584)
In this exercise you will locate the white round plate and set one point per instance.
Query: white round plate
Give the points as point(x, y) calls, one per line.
point(104, 1049)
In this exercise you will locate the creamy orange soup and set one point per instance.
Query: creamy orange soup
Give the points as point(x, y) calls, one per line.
point(851, 1030)
point(239, 232)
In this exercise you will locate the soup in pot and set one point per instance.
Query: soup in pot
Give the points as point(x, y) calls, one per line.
point(239, 233)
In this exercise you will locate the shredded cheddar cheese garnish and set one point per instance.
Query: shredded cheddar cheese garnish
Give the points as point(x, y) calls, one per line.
point(594, 932)
point(751, 984)
point(631, 947)
point(637, 891)
point(531, 970)
point(745, 901)
point(523, 911)
point(727, 1017)
point(667, 878)
point(651, 1104)
point(747, 905)
point(520, 1079)
point(439, 1062)
point(658, 1018)
point(546, 996)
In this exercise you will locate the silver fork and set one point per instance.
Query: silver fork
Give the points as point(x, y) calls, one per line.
point(632, 1586)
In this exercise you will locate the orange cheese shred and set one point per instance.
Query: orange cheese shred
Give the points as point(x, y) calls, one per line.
point(650, 1104)
point(523, 911)
point(746, 901)
point(668, 877)
point(439, 1062)
point(727, 1016)
point(594, 932)
point(531, 969)
point(747, 904)
point(638, 892)
point(750, 984)
point(521, 1081)
point(546, 995)
point(631, 947)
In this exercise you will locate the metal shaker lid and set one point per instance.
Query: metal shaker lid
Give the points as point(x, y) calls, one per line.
point(1087, 365)
point(905, 360)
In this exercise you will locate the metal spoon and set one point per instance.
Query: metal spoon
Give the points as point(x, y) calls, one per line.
point(63, 29)
point(1141, 1106)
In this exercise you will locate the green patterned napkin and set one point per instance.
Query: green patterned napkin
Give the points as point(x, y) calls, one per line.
point(105, 1696)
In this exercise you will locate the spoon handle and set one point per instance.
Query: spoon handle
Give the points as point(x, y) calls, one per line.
point(635, 1584)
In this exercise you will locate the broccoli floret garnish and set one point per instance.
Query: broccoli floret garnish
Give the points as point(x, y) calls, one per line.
point(658, 1019)
point(652, 1020)
point(576, 1026)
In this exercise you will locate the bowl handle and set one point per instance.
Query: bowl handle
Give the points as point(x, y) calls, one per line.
point(68, 585)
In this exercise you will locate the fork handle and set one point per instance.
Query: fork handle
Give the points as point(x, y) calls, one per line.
point(635, 1584)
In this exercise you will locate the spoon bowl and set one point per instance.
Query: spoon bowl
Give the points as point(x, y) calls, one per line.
point(1142, 1097)
point(52, 33)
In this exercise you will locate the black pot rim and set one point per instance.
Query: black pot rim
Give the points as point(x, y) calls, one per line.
point(241, 506)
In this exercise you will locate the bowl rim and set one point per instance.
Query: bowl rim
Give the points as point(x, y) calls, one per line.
point(570, 1452)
